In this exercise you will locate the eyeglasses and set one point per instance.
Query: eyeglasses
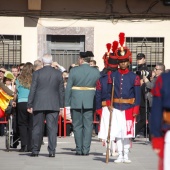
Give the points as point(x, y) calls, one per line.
point(2, 71)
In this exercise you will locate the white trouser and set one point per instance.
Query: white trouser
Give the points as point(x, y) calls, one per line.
point(167, 151)
point(123, 146)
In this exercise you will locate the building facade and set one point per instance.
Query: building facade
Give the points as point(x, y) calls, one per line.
point(27, 35)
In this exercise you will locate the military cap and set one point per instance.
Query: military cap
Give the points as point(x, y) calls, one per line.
point(89, 54)
point(140, 56)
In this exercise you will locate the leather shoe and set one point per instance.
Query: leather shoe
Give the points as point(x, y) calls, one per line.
point(34, 155)
point(78, 154)
point(85, 154)
point(52, 155)
point(23, 149)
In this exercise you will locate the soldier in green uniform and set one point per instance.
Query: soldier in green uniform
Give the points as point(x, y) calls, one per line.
point(79, 95)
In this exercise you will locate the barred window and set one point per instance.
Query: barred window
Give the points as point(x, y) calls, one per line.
point(65, 57)
point(152, 47)
point(65, 49)
point(10, 50)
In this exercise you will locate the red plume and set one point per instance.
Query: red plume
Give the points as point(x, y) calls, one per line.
point(121, 38)
point(114, 45)
point(108, 46)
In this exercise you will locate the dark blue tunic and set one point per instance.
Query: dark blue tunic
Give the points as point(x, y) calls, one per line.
point(161, 102)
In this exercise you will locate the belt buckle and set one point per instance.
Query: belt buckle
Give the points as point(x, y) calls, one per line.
point(133, 100)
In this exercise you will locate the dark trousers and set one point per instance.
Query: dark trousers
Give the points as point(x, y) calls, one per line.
point(51, 118)
point(141, 124)
point(25, 121)
point(82, 128)
point(15, 127)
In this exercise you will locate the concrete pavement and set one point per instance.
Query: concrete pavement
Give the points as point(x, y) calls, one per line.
point(142, 156)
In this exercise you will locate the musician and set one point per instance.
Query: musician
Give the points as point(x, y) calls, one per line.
point(126, 102)
point(160, 120)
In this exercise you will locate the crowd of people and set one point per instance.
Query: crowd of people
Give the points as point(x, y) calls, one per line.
point(119, 96)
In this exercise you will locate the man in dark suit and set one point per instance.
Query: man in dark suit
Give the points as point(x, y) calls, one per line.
point(45, 100)
point(80, 91)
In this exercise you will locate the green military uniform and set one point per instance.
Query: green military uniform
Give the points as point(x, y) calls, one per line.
point(79, 94)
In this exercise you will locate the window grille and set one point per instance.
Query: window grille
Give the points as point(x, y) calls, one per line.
point(65, 57)
point(65, 49)
point(10, 50)
point(152, 47)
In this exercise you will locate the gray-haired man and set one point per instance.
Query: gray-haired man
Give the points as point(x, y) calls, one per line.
point(45, 100)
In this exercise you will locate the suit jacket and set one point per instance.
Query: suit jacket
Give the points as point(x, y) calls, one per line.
point(81, 76)
point(47, 90)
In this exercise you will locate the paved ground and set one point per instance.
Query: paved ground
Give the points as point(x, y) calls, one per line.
point(142, 156)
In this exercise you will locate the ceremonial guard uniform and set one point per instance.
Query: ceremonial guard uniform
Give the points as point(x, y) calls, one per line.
point(160, 120)
point(126, 102)
point(103, 97)
point(79, 94)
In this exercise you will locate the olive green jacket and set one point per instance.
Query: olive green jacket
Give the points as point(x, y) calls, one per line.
point(80, 77)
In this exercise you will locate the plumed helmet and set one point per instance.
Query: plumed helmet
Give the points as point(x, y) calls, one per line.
point(110, 59)
point(123, 53)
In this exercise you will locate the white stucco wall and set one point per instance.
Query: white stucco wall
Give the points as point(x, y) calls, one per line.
point(15, 26)
point(104, 32)
point(108, 31)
